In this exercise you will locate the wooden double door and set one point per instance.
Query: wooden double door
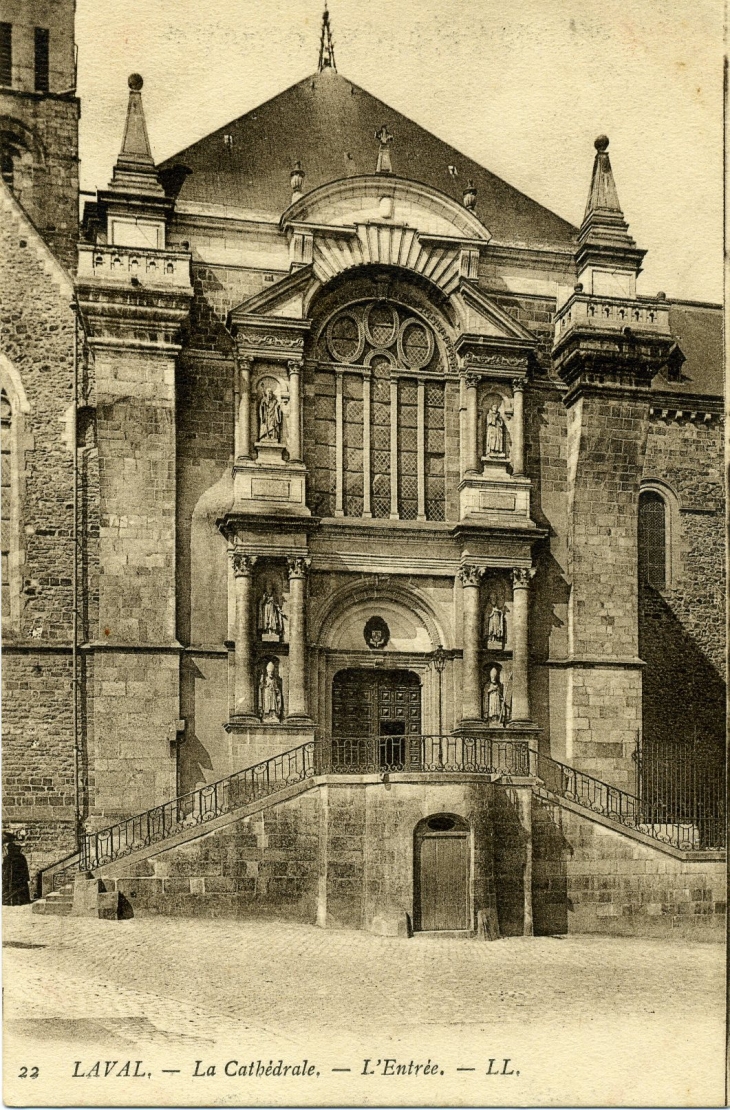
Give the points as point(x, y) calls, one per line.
point(376, 716)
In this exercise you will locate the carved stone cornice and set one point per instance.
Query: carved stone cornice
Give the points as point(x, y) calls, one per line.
point(522, 577)
point(242, 563)
point(470, 575)
point(270, 337)
point(298, 566)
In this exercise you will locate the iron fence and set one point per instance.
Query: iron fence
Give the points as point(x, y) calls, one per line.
point(197, 807)
point(690, 830)
point(682, 786)
point(345, 755)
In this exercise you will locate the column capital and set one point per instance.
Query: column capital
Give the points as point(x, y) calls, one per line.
point(470, 575)
point(242, 563)
point(472, 379)
point(246, 362)
point(518, 385)
point(521, 577)
point(298, 566)
point(294, 366)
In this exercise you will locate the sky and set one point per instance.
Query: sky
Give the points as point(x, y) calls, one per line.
point(521, 86)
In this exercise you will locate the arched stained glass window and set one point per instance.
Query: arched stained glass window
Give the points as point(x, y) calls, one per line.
point(653, 539)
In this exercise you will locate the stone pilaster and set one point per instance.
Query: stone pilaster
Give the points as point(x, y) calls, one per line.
point(521, 578)
point(294, 366)
point(298, 568)
point(471, 452)
point(470, 578)
point(245, 697)
point(517, 428)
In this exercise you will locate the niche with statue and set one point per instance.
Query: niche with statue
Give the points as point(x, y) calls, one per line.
point(497, 692)
point(496, 632)
point(494, 438)
point(270, 691)
point(270, 400)
point(271, 619)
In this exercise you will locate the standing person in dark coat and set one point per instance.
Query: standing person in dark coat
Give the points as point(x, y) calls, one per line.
point(15, 873)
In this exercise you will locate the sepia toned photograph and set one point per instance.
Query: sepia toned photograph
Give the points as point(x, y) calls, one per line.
point(363, 541)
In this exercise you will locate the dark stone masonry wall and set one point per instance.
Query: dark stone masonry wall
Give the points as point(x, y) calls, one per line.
point(37, 336)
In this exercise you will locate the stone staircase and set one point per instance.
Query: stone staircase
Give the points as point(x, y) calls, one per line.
point(57, 903)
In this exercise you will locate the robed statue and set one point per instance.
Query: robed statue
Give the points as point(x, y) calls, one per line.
point(271, 699)
point(269, 417)
point(495, 624)
point(270, 615)
point(494, 698)
point(495, 431)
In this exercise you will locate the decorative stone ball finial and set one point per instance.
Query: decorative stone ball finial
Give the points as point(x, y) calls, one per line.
point(135, 82)
point(601, 143)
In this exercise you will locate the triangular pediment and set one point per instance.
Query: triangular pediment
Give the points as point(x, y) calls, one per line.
point(480, 316)
point(286, 299)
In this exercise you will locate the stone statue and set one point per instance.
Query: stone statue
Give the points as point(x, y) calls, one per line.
point(495, 431)
point(494, 698)
point(271, 699)
point(269, 416)
point(495, 624)
point(270, 621)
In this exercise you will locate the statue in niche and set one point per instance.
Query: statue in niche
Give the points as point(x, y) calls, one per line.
point(270, 616)
point(495, 432)
point(270, 417)
point(494, 706)
point(495, 624)
point(271, 698)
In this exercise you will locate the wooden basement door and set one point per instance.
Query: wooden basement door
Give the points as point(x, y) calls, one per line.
point(443, 873)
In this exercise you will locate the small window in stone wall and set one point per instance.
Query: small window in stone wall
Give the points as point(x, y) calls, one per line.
point(653, 539)
point(41, 59)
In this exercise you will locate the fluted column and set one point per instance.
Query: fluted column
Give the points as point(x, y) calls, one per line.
point(298, 570)
point(294, 444)
point(521, 578)
point(471, 454)
point(518, 428)
point(244, 408)
point(243, 565)
point(470, 577)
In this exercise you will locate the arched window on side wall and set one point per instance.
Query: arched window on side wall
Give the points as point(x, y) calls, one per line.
point(653, 539)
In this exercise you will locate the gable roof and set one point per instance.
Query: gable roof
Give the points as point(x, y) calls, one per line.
point(328, 124)
point(698, 329)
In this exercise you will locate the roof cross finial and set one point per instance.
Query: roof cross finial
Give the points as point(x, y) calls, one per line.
point(326, 43)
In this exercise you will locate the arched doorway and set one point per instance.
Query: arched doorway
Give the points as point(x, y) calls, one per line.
point(376, 719)
point(441, 874)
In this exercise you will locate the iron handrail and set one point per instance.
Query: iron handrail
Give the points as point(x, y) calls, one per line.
point(627, 809)
point(343, 755)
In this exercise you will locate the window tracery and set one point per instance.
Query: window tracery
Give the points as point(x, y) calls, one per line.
point(378, 442)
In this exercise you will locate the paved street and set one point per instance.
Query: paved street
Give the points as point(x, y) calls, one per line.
point(587, 1020)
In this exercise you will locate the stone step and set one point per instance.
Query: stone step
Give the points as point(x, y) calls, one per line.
point(58, 903)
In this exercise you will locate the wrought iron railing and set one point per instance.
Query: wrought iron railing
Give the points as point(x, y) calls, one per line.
point(627, 809)
point(58, 875)
point(485, 755)
point(197, 807)
point(683, 784)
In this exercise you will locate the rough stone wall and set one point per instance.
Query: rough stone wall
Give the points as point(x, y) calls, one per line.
point(536, 313)
point(682, 627)
point(37, 336)
point(606, 446)
point(49, 192)
point(590, 879)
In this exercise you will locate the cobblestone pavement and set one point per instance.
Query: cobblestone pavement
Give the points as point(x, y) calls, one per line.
point(582, 1020)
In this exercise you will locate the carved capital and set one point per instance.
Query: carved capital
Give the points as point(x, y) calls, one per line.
point(470, 575)
point(246, 364)
point(298, 566)
point(521, 577)
point(518, 385)
point(472, 380)
point(294, 366)
point(242, 563)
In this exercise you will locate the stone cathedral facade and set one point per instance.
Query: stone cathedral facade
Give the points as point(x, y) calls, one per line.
point(363, 535)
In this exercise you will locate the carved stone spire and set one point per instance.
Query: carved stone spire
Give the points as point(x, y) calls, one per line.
point(604, 234)
point(326, 44)
point(135, 171)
